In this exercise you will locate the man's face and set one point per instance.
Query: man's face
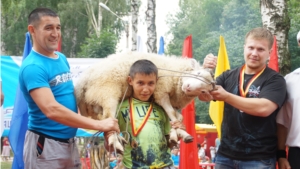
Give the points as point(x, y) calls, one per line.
point(143, 85)
point(256, 54)
point(46, 34)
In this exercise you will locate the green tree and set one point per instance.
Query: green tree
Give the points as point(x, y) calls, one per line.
point(294, 13)
point(14, 22)
point(99, 47)
point(76, 25)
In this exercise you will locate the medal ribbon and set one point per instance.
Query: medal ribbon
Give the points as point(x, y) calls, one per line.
point(242, 71)
point(136, 129)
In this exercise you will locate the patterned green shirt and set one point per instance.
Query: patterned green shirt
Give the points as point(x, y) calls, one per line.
point(151, 150)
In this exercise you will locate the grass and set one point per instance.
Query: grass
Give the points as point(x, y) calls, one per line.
point(6, 165)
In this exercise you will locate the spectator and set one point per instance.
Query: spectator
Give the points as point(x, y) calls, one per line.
point(212, 154)
point(201, 153)
point(2, 94)
point(217, 143)
point(288, 122)
point(175, 156)
point(5, 149)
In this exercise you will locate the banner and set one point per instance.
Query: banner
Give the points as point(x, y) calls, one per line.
point(10, 66)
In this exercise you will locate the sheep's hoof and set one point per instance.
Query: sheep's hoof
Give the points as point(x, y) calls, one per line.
point(117, 142)
point(173, 136)
point(188, 139)
point(184, 135)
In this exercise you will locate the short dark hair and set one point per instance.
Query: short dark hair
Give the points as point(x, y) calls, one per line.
point(36, 15)
point(143, 66)
point(261, 33)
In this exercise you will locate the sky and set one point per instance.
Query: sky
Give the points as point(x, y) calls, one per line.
point(163, 8)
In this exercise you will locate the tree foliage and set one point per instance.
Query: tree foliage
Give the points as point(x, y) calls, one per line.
point(76, 25)
point(294, 13)
point(99, 47)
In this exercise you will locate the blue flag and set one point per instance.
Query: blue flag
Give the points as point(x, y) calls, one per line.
point(161, 49)
point(19, 119)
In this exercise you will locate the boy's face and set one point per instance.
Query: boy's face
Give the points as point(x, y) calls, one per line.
point(143, 85)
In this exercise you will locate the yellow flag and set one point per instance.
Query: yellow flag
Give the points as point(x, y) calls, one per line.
point(216, 108)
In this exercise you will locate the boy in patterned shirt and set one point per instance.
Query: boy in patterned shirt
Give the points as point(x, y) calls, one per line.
point(146, 122)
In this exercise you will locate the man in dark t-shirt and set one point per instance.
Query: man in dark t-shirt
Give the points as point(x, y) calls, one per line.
point(253, 95)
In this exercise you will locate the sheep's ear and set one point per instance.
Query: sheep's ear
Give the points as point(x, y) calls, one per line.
point(211, 71)
point(195, 64)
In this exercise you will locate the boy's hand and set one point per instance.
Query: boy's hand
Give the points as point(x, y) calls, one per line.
point(177, 124)
point(106, 136)
point(171, 144)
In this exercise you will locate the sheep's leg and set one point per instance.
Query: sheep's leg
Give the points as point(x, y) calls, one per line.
point(113, 139)
point(181, 133)
point(174, 116)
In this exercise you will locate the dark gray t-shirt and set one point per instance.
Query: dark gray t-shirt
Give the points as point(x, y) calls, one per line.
point(247, 137)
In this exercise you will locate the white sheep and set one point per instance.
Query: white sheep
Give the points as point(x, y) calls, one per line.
point(102, 86)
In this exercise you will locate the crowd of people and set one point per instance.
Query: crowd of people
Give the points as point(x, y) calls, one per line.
point(253, 94)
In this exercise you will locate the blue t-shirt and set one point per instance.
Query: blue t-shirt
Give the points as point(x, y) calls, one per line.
point(175, 159)
point(39, 71)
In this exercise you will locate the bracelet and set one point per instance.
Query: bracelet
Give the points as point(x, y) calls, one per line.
point(281, 154)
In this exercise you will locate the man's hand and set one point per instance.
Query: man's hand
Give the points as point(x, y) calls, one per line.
point(210, 61)
point(283, 163)
point(219, 93)
point(110, 124)
point(206, 97)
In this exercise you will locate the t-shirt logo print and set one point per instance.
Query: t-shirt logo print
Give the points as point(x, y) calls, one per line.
point(254, 91)
point(63, 78)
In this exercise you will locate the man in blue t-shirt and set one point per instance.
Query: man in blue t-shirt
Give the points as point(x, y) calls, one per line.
point(46, 82)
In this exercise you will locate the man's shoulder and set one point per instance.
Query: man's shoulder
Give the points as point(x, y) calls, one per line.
point(232, 71)
point(272, 75)
point(229, 75)
point(61, 55)
point(30, 61)
point(293, 73)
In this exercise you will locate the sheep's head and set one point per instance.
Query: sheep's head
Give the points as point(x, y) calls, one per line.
point(197, 82)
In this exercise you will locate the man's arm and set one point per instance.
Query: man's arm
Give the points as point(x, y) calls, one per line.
point(45, 100)
point(281, 136)
point(254, 106)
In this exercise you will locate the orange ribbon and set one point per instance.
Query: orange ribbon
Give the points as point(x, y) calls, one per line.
point(242, 71)
point(136, 129)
